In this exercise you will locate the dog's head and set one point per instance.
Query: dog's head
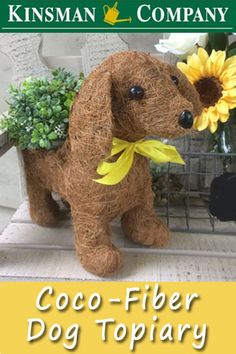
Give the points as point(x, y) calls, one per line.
point(132, 95)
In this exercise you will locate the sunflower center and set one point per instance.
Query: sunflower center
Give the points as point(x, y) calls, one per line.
point(210, 90)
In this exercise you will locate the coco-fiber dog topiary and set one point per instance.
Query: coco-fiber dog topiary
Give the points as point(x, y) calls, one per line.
point(130, 96)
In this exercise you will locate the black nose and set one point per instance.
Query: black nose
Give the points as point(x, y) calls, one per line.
point(186, 120)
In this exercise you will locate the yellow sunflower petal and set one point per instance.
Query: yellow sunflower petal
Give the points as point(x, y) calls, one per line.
point(229, 82)
point(226, 98)
point(231, 104)
point(224, 117)
point(231, 101)
point(231, 93)
point(224, 94)
point(185, 70)
point(195, 63)
point(230, 62)
point(217, 59)
point(231, 66)
point(222, 107)
point(203, 55)
point(202, 121)
point(213, 127)
point(182, 66)
point(208, 67)
point(213, 54)
point(214, 114)
point(227, 73)
point(188, 72)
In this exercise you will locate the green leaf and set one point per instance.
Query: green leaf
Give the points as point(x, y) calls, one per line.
point(48, 145)
point(52, 136)
point(49, 112)
point(218, 41)
point(232, 45)
point(57, 109)
point(40, 127)
point(42, 143)
point(68, 103)
point(46, 128)
point(43, 111)
point(64, 115)
point(34, 139)
point(231, 52)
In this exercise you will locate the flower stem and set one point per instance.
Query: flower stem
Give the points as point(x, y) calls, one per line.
point(224, 142)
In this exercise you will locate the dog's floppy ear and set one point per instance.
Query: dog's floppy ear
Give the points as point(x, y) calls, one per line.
point(91, 118)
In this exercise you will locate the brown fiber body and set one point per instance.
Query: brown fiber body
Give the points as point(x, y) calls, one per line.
point(103, 110)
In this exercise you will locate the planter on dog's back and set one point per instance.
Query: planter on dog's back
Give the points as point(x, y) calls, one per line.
point(106, 108)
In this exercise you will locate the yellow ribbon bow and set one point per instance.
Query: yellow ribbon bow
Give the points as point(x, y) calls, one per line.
point(114, 172)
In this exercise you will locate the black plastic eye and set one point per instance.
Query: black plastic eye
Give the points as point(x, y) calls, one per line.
point(136, 93)
point(175, 80)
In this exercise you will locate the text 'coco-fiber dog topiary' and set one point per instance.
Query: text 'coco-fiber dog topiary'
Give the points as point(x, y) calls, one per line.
point(129, 97)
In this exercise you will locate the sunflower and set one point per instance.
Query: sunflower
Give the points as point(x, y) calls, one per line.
point(215, 80)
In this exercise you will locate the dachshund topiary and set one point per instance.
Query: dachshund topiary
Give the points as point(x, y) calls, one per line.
point(127, 98)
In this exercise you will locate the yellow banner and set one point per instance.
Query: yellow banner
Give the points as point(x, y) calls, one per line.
point(56, 318)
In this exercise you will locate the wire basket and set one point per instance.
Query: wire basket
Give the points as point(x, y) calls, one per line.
point(182, 192)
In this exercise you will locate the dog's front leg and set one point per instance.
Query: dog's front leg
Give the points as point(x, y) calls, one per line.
point(142, 225)
point(93, 244)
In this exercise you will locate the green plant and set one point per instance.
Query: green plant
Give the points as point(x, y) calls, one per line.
point(157, 170)
point(38, 110)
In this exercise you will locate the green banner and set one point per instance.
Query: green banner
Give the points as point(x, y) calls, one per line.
point(118, 16)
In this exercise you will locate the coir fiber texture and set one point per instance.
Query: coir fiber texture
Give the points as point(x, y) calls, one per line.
point(103, 110)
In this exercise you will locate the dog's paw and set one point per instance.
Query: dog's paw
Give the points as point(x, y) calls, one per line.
point(103, 260)
point(147, 230)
